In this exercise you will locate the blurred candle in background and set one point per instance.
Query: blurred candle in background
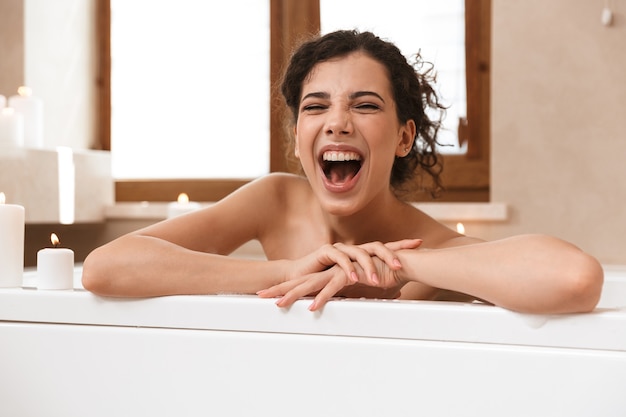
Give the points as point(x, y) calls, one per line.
point(11, 128)
point(55, 267)
point(3, 101)
point(181, 206)
point(31, 108)
point(11, 244)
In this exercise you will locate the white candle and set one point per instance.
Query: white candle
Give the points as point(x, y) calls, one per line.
point(31, 108)
point(181, 206)
point(11, 128)
point(11, 244)
point(55, 267)
point(3, 101)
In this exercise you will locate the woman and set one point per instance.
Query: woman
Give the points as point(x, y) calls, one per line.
point(361, 132)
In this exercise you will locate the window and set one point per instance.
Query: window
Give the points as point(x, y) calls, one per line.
point(434, 29)
point(465, 176)
point(182, 85)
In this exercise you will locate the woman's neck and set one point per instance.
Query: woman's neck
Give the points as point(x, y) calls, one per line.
point(381, 220)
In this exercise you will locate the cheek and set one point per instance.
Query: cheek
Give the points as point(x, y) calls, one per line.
point(303, 139)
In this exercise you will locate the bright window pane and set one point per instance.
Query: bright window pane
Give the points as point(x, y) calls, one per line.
point(436, 29)
point(189, 89)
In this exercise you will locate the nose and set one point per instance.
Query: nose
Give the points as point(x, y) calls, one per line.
point(338, 122)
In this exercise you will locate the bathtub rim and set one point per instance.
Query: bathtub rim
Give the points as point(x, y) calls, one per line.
point(396, 319)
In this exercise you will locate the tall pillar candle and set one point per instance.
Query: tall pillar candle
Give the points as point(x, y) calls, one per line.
point(11, 244)
point(31, 108)
point(55, 267)
point(11, 128)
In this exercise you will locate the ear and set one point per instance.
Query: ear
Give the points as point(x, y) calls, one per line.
point(406, 138)
point(295, 138)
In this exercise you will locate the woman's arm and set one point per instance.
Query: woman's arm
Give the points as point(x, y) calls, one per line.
point(187, 254)
point(138, 265)
point(526, 273)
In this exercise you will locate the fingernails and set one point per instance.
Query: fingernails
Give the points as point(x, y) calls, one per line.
point(313, 306)
point(375, 278)
point(354, 277)
point(396, 263)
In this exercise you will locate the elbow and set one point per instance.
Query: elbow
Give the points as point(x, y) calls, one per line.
point(585, 284)
point(94, 277)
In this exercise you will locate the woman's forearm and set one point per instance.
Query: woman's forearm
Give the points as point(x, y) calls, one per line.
point(144, 266)
point(529, 273)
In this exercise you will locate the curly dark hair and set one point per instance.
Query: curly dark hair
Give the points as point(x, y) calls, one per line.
point(412, 89)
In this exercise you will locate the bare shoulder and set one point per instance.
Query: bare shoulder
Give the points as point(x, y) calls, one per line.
point(277, 183)
point(266, 190)
point(268, 199)
point(437, 235)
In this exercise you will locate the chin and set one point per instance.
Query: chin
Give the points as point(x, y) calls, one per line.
point(341, 207)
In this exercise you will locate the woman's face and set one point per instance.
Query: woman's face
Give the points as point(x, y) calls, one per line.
point(348, 133)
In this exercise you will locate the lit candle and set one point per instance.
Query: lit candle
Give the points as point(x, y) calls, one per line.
point(11, 128)
point(55, 267)
point(460, 228)
point(181, 206)
point(11, 244)
point(31, 108)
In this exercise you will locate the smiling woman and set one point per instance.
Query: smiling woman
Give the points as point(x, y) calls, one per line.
point(339, 231)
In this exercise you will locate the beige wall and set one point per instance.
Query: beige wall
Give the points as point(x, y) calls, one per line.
point(11, 46)
point(559, 122)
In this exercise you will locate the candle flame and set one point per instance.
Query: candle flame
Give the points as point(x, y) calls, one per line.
point(460, 228)
point(55, 240)
point(3, 198)
point(24, 91)
point(183, 198)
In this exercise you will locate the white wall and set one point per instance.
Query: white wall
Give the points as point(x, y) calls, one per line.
point(59, 65)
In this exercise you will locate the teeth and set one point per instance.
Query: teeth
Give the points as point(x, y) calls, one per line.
point(340, 156)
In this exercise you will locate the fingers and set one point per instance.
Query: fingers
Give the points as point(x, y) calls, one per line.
point(331, 255)
point(362, 255)
point(335, 267)
point(326, 284)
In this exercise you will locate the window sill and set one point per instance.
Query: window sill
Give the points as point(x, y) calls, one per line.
point(444, 212)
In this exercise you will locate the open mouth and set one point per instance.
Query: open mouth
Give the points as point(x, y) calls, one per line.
point(340, 166)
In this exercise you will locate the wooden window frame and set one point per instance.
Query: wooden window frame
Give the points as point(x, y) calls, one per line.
point(466, 177)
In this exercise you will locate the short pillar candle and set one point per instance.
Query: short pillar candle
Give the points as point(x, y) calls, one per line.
point(55, 267)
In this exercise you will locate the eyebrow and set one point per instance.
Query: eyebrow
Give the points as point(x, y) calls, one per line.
point(352, 96)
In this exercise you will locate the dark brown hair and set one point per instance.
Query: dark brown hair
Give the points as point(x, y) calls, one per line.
point(412, 89)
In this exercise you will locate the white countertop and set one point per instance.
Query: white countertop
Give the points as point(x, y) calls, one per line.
point(604, 328)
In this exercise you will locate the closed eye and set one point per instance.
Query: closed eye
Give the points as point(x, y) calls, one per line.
point(313, 108)
point(367, 107)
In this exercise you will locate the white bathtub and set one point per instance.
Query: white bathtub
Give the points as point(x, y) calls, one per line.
point(70, 353)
